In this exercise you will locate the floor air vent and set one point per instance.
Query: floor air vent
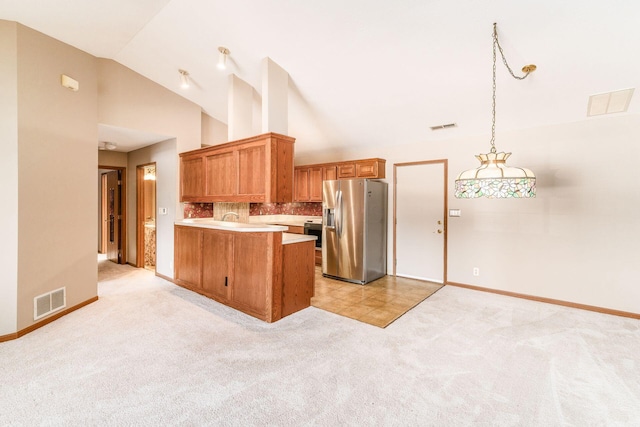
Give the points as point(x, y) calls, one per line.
point(48, 303)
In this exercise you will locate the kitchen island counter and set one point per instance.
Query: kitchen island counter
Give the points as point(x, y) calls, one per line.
point(254, 268)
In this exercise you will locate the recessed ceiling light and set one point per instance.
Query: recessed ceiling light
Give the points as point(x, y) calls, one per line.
point(610, 102)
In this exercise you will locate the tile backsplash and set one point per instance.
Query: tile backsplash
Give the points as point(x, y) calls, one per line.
point(296, 208)
point(198, 210)
point(206, 210)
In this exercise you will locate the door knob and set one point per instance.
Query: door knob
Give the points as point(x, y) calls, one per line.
point(439, 222)
point(439, 231)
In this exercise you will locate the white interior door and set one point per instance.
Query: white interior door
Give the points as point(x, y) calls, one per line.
point(420, 222)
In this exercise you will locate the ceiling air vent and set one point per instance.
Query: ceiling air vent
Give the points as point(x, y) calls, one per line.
point(447, 126)
point(610, 102)
point(48, 303)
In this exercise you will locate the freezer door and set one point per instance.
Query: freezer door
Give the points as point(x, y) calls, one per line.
point(350, 225)
point(329, 236)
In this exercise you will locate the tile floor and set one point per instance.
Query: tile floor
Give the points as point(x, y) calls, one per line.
point(378, 303)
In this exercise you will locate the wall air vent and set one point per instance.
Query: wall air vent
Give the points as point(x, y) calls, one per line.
point(48, 303)
point(447, 126)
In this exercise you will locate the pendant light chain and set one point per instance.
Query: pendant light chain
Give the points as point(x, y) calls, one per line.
point(493, 101)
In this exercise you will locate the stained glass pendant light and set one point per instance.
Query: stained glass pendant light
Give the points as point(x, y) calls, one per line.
point(493, 178)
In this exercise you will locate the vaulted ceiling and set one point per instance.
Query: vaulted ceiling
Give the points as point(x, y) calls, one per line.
point(364, 71)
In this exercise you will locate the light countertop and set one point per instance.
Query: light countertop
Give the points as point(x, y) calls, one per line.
point(242, 227)
point(288, 238)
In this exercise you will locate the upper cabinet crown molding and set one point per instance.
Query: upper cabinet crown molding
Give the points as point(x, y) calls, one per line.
point(257, 169)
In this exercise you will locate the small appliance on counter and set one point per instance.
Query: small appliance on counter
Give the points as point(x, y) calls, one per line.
point(354, 230)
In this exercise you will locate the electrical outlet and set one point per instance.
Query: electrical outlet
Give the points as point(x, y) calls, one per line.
point(476, 271)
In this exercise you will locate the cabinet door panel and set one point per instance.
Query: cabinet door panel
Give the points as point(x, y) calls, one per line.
point(251, 167)
point(217, 253)
point(315, 184)
point(221, 174)
point(346, 170)
point(191, 178)
point(330, 173)
point(188, 255)
point(250, 271)
point(301, 179)
point(367, 169)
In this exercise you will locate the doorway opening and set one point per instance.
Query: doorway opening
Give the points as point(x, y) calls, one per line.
point(146, 216)
point(420, 220)
point(112, 229)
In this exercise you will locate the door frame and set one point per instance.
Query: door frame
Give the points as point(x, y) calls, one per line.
point(140, 213)
point(123, 207)
point(445, 163)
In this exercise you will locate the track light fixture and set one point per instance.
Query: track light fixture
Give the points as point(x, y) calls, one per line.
point(184, 79)
point(222, 57)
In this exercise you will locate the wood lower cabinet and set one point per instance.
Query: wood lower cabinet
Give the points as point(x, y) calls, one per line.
point(257, 169)
point(188, 256)
point(246, 271)
point(298, 276)
point(217, 271)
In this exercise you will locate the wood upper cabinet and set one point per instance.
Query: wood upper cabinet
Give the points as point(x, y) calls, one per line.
point(301, 184)
point(257, 169)
point(308, 184)
point(192, 185)
point(329, 173)
point(308, 178)
point(346, 170)
point(315, 184)
point(220, 174)
point(252, 171)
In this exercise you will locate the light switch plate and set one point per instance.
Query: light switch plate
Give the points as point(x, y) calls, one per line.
point(162, 211)
point(454, 212)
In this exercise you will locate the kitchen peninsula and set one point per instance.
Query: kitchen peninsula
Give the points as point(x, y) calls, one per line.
point(255, 268)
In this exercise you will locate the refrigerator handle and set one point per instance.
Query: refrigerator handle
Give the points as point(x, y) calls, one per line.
point(339, 213)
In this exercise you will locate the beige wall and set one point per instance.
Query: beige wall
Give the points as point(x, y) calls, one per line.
point(164, 154)
point(129, 100)
point(57, 158)
point(576, 241)
point(9, 176)
point(112, 158)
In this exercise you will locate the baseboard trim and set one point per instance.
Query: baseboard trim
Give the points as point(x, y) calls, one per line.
point(167, 278)
point(549, 300)
point(46, 321)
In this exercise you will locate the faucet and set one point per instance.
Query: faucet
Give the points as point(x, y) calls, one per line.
point(230, 213)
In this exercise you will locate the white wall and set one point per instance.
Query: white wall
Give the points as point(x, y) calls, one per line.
point(214, 132)
point(577, 241)
point(164, 154)
point(8, 176)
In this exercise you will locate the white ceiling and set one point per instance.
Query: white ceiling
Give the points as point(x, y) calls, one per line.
point(364, 71)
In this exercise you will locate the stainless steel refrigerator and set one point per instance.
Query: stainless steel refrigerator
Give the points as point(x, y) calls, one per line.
point(354, 229)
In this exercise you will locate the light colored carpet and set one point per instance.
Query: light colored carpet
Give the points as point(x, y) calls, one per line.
point(151, 353)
